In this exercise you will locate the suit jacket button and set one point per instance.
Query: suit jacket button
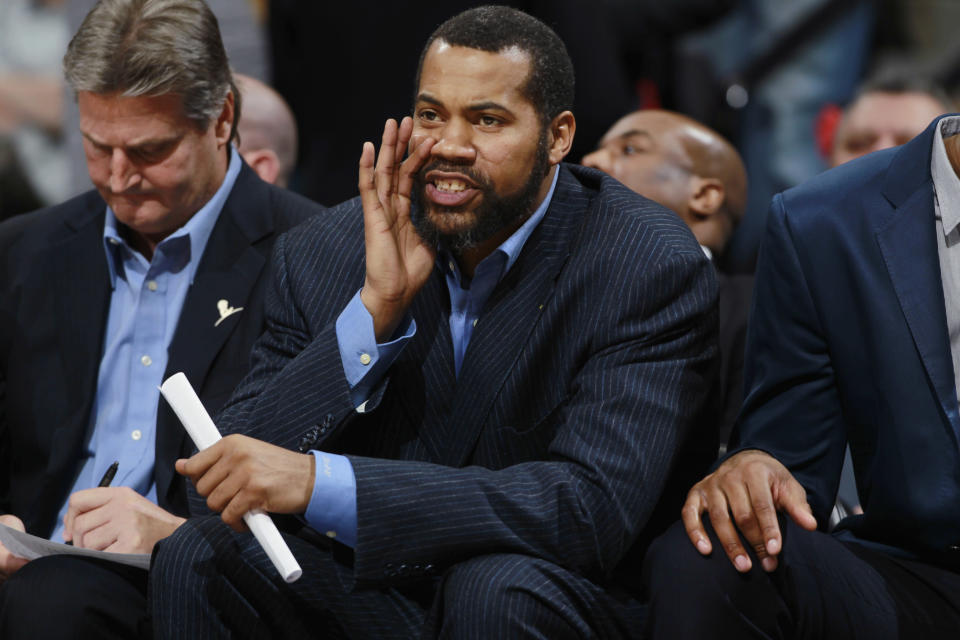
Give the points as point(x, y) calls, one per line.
point(328, 420)
point(429, 569)
point(309, 439)
point(954, 548)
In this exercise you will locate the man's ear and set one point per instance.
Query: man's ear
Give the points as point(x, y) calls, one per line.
point(225, 121)
point(265, 162)
point(560, 139)
point(706, 196)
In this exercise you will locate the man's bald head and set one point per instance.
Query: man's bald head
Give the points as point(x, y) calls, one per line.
point(268, 131)
point(682, 164)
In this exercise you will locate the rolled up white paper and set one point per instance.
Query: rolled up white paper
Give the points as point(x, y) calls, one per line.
point(185, 403)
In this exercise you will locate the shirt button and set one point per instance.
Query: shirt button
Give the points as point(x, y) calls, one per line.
point(137, 434)
point(114, 241)
point(365, 358)
point(475, 321)
point(453, 267)
point(152, 285)
point(331, 534)
point(146, 360)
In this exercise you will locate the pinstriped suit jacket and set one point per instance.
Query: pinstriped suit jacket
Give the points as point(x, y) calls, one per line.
point(590, 366)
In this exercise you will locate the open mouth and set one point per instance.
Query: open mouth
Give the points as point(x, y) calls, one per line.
point(449, 190)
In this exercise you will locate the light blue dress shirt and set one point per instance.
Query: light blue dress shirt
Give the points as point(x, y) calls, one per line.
point(145, 306)
point(333, 503)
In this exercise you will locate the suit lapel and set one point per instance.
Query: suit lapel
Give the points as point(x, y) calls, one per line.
point(228, 271)
point(76, 271)
point(509, 317)
point(908, 242)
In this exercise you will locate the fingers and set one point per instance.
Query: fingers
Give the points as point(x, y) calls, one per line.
point(403, 139)
point(197, 465)
point(695, 505)
point(412, 165)
point(386, 169)
point(9, 563)
point(95, 531)
point(13, 522)
point(207, 483)
point(82, 502)
point(224, 491)
point(719, 512)
point(766, 537)
point(793, 499)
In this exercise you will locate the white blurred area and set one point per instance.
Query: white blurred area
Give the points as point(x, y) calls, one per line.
point(33, 37)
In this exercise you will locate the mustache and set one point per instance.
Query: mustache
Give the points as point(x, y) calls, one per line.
point(448, 167)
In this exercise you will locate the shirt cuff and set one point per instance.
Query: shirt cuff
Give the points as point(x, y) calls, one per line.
point(365, 362)
point(333, 503)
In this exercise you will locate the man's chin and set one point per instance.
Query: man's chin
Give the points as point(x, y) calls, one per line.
point(452, 222)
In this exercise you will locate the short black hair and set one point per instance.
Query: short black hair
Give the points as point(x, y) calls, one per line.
point(494, 28)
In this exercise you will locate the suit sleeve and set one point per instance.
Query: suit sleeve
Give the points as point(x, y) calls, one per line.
point(792, 409)
point(633, 400)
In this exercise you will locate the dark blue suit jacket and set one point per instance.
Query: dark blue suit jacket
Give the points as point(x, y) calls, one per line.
point(590, 366)
point(54, 299)
point(848, 342)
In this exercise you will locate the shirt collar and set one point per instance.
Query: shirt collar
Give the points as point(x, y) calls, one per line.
point(946, 184)
point(197, 229)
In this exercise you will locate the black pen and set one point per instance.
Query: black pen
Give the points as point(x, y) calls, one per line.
point(105, 482)
point(108, 476)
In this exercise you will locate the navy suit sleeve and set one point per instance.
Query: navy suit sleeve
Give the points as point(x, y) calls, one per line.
point(792, 409)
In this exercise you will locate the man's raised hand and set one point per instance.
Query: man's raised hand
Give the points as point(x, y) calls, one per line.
point(398, 261)
point(751, 486)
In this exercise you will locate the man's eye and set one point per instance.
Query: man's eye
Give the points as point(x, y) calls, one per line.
point(429, 115)
point(489, 121)
point(629, 150)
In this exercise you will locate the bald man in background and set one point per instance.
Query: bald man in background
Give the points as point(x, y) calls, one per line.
point(691, 169)
point(268, 132)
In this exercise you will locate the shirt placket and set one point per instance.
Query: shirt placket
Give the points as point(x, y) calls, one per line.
point(148, 337)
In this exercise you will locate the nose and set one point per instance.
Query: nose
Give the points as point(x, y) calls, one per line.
point(123, 174)
point(455, 142)
point(598, 159)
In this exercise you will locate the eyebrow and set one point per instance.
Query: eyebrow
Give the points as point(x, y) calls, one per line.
point(487, 105)
point(157, 142)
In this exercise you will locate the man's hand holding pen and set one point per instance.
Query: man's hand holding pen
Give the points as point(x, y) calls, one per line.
point(116, 519)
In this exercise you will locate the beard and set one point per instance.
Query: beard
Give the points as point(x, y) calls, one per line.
point(493, 214)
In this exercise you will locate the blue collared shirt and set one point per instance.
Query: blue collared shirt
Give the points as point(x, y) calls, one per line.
point(333, 504)
point(145, 307)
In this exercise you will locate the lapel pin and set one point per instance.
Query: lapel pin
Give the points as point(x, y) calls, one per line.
point(225, 311)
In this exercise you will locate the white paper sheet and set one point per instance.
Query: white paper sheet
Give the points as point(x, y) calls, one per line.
point(31, 547)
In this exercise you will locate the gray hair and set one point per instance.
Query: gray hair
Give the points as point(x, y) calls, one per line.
point(152, 48)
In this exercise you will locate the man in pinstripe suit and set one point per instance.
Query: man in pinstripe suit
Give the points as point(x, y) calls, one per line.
point(492, 363)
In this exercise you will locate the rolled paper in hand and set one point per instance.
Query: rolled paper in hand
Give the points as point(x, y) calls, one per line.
point(185, 403)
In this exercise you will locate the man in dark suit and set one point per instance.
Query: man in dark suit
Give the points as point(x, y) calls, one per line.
point(853, 340)
point(495, 384)
point(161, 269)
point(691, 169)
